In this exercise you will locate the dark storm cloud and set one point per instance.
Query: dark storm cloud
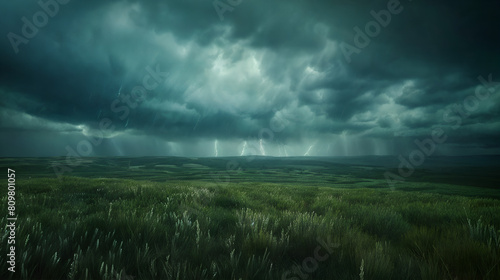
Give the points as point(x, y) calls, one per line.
point(229, 79)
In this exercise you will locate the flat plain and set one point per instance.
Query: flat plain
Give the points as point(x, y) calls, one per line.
point(255, 218)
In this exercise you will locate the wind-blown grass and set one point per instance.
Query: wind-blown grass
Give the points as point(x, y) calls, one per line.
point(80, 228)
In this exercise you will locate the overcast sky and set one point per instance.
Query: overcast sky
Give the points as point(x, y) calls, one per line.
point(281, 77)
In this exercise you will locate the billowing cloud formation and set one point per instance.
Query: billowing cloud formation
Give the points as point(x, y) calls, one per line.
point(318, 77)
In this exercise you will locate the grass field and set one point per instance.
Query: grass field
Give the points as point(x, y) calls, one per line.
point(264, 218)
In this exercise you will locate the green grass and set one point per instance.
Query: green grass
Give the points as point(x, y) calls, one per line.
point(95, 228)
point(479, 181)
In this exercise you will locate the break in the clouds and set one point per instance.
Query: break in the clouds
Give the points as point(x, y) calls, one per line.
point(285, 77)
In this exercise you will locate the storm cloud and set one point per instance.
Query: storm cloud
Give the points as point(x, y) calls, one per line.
point(286, 77)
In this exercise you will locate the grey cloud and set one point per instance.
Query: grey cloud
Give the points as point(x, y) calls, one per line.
point(228, 79)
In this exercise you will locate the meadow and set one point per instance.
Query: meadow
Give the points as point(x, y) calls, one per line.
point(259, 218)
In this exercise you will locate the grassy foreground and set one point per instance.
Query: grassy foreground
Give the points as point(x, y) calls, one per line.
point(91, 228)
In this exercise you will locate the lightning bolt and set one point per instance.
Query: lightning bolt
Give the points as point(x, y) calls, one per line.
point(262, 152)
point(120, 90)
point(308, 150)
point(215, 148)
point(243, 149)
point(196, 125)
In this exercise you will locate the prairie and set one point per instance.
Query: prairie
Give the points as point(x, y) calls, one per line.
point(259, 218)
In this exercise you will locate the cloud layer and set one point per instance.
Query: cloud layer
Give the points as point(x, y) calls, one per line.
point(171, 77)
